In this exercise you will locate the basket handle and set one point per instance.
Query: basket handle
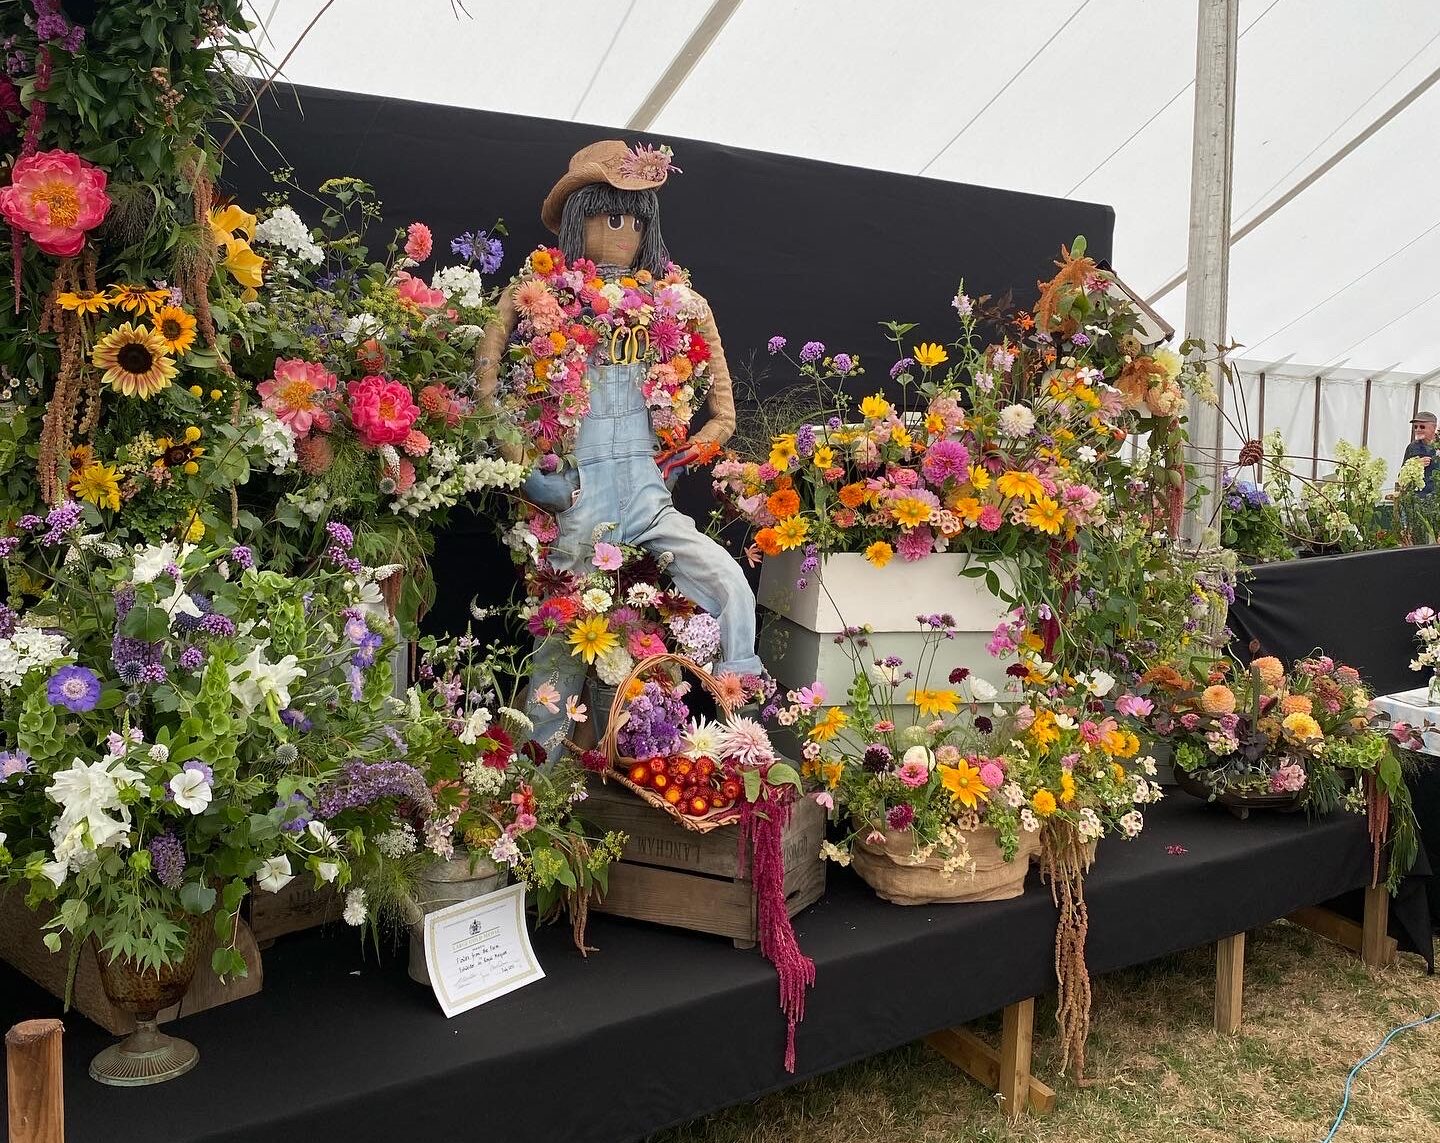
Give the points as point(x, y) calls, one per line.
point(610, 744)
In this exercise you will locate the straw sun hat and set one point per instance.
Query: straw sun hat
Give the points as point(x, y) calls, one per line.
point(608, 161)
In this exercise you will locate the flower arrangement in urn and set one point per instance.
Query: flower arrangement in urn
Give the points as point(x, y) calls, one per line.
point(1271, 737)
point(1427, 658)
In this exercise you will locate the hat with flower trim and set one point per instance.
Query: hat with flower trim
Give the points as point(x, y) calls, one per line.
point(610, 161)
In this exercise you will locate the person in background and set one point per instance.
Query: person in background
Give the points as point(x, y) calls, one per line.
point(1422, 444)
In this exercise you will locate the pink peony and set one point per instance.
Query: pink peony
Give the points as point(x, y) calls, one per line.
point(914, 774)
point(382, 411)
point(55, 197)
point(301, 394)
point(418, 242)
point(416, 292)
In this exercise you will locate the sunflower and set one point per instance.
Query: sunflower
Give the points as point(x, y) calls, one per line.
point(591, 637)
point(99, 484)
point(176, 328)
point(137, 300)
point(963, 782)
point(791, 533)
point(932, 703)
point(81, 456)
point(83, 301)
point(136, 361)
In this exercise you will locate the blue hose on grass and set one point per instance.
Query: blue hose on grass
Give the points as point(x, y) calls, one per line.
point(1355, 1071)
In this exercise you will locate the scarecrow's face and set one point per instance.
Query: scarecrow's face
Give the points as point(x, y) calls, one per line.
point(613, 239)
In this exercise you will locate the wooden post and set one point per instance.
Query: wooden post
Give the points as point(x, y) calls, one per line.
point(1017, 1034)
point(1229, 983)
point(1208, 262)
point(1376, 949)
point(35, 1075)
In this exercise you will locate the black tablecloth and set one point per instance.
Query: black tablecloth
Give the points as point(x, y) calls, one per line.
point(661, 1026)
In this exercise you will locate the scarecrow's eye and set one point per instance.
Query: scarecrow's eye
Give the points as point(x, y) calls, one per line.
point(638, 224)
point(616, 221)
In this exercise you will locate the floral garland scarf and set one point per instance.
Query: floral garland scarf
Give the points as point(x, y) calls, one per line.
point(566, 313)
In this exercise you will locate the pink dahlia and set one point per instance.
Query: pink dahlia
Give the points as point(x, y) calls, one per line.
point(990, 518)
point(946, 459)
point(418, 242)
point(665, 338)
point(915, 544)
point(992, 776)
point(55, 197)
point(413, 290)
point(382, 411)
point(301, 394)
point(415, 443)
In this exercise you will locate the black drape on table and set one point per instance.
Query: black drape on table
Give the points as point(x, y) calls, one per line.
point(815, 251)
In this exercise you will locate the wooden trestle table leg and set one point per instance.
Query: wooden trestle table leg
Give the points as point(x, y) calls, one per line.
point(1229, 983)
point(1371, 939)
point(1007, 1071)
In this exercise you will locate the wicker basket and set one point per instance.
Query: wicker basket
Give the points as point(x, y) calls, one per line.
point(610, 743)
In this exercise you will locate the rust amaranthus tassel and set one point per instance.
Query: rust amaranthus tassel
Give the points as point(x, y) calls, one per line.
point(1377, 816)
point(1063, 863)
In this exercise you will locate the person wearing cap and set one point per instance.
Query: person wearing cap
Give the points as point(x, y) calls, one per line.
point(1422, 444)
point(600, 349)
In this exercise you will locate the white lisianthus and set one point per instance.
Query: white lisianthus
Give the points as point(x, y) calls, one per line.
point(274, 874)
point(191, 791)
point(87, 794)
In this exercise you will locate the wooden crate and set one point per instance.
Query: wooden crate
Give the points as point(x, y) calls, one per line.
point(22, 946)
point(300, 905)
point(673, 876)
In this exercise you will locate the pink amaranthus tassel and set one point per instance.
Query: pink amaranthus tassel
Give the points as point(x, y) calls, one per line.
point(762, 829)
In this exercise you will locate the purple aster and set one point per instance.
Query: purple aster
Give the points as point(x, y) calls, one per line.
point(944, 460)
point(339, 534)
point(843, 363)
point(901, 366)
point(775, 344)
point(192, 658)
point(13, 762)
point(75, 688)
point(167, 859)
point(811, 352)
point(243, 556)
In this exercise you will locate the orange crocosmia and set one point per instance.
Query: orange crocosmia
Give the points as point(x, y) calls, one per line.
point(853, 495)
point(783, 504)
point(767, 541)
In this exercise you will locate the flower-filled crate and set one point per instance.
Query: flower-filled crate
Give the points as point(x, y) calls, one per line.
point(800, 646)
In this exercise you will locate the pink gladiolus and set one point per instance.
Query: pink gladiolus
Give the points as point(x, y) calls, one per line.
point(418, 242)
point(55, 197)
point(301, 394)
point(382, 411)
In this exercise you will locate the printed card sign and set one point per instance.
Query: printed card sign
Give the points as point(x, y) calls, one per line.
point(478, 950)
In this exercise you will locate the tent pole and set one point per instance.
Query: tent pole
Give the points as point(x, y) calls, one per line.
point(1208, 269)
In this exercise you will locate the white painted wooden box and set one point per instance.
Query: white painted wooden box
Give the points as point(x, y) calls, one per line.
point(798, 645)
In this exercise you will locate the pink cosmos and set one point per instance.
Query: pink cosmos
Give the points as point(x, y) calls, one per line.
point(990, 518)
point(608, 557)
point(418, 242)
point(1420, 615)
point(413, 290)
point(382, 411)
point(812, 696)
point(992, 776)
point(1024, 717)
point(55, 197)
point(1068, 762)
point(548, 696)
point(946, 459)
point(1133, 706)
point(913, 774)
point(301, 394)
point(1090, 732)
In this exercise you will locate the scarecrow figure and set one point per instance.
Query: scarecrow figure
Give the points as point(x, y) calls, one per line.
point(604, 351)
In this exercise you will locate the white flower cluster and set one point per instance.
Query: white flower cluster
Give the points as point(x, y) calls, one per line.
point(440, 489)
point(465, 336)
point(461, 285)
point(27, 649)
point(1411, 477)
point(1132, 823)
point(284, 228)
point(356, 911)
point(1012, 795)
point(829, 851)
point(398, 842)
point(360, 326)
point(312, 504)
point(1090, 827)
point(1147, 793)
point(276, 441)
point(484, 781)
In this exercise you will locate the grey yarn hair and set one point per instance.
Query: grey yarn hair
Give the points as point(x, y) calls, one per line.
point(602, 198)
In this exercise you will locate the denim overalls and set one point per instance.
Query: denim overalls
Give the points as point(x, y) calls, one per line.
point(618, 483)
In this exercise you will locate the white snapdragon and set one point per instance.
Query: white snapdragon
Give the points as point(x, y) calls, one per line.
point(276, 440)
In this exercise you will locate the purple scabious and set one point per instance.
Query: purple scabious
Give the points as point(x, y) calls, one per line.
point(75, 688)
point(364, 783)
point(13, 762)
point(167, 859)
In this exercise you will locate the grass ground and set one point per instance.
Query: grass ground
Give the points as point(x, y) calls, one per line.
point(1165, 1076)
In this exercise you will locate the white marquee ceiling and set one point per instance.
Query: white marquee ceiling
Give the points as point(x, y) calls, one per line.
point(1089, 99)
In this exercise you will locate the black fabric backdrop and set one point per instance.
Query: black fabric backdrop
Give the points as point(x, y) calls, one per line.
point(1353, 608)
point(813, 250)
point(659, 1025)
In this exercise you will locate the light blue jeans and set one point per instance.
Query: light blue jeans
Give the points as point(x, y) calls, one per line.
point(617, 483)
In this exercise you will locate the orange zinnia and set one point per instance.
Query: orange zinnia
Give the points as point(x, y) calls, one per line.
point(783, 504)
point(852, 495)
point(767, 541)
